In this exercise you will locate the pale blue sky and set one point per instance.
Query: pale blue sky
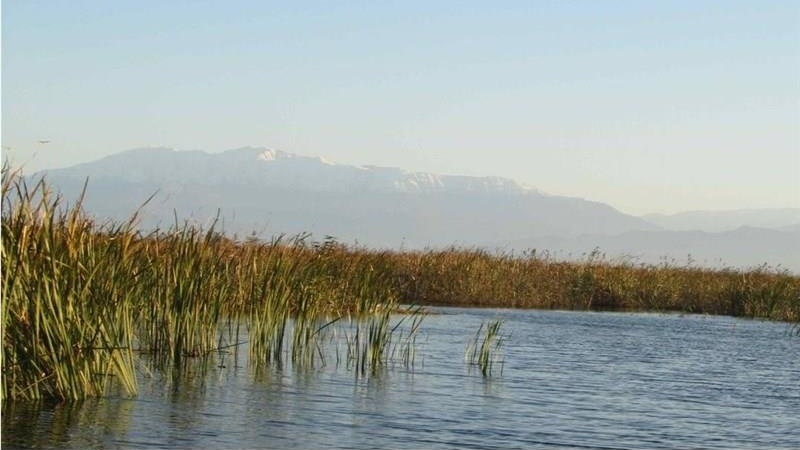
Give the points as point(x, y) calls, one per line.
point(650, 107)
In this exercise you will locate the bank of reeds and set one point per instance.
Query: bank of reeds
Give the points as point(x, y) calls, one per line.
point(81, 300)
point(475, 277)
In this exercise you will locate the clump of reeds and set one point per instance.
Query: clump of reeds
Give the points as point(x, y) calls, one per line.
point(483, 350)
point(268, 301)
point(66, 299)
point(367, 343)
point(183, 284)
point(406, 344)
point(373, 342)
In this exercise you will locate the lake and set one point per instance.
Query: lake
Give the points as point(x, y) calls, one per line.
point(569, 380)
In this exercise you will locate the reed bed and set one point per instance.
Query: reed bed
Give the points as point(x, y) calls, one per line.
point(476, 277)
point(83, 301)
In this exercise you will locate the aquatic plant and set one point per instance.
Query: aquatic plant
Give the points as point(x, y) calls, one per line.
point(483, 350)
point(373, 342)
point(406, 344)
point(66, 304)
point(367, 343)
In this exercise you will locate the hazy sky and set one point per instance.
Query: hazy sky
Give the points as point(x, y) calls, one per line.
point(650, 107)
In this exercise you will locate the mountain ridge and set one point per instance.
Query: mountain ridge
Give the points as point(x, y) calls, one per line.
point(261, 191)
point(257, 187)
point(267, 167)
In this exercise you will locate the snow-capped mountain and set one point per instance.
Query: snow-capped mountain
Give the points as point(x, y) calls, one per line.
point(269, 191)
point(263, 167)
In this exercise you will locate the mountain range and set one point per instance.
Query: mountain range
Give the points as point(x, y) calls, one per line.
point(265, 192)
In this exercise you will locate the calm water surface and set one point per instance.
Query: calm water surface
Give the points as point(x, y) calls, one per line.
point(569, 380)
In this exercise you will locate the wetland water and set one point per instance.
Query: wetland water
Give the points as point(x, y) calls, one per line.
point(569, 380)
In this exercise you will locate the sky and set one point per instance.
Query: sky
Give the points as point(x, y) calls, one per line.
point(651, 107)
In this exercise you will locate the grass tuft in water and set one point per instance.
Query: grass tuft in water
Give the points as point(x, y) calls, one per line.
point(483, 351)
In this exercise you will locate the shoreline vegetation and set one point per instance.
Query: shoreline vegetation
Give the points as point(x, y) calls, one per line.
point(83, 301)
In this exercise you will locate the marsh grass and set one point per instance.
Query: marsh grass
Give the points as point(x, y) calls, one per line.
point(405, 347)
point(484, 349)
point(373, 342)
point(367, 343)
point(475, 277)
point(67, 313)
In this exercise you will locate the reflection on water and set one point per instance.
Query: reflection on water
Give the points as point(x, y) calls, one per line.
point(64, 425)
point(571, 380)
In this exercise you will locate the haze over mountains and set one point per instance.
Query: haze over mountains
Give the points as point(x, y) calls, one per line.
point(779, 218)
point(268, 192)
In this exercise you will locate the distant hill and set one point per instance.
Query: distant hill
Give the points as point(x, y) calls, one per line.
point(727, 220)
point(268, 191)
